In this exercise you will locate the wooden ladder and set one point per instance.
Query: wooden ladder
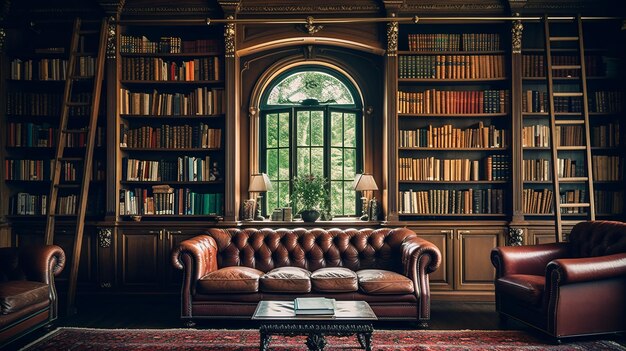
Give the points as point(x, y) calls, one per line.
point(74, 77)
point(569, 119)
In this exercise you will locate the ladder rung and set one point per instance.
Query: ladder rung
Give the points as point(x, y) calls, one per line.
point(566, 67)
point(573, 179)
point(563, 38)
point(70, 159)
point(67, 186)
point(571, 148)
point(568, 94)
point(76, 104)
point(569, 122)
point(75, 130)
point(574, 204)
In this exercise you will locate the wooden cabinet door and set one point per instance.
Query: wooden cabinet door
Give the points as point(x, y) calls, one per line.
point(541, 236)
point(441, 279)
point(473, 269)
point(173, 277)
point(141, 255)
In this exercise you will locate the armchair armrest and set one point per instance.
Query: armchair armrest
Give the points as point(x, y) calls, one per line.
point(42, 263)
point(526, 259)
point(574, 270)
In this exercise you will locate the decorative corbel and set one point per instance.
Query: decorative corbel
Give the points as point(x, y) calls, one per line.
point(392, 38)
point(3, 37)
point(516, 30)
point(112, 7)
point(309, 27)
point(105, 237)
point(111, 31)
point(229, 37)
point(515, 237)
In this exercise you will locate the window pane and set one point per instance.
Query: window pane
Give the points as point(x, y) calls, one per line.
point(336, 163)
point(317, 161)
point(271, 126)
point(303, 128)
point(317, 85)
point(317, 128)
point(283, 160)
point(349, 199)
point(272, 198)
point(336, 129)
point(349, 120)
point(349, 164)
point(336, 198)
point(304, 161)
point(272, 164)
point(283, 129)
point(283, 200)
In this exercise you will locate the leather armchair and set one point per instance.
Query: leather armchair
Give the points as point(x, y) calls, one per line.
point(566, 289)
point(28, 298)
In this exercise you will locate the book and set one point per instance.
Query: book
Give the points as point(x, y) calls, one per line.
point(314, 306)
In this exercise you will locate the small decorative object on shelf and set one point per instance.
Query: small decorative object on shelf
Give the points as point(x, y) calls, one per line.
point(259, 183)
point(310, 193)
point(365, 182)
point(249, 209)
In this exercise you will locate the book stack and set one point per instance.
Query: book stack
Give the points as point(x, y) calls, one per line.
point(314, 306)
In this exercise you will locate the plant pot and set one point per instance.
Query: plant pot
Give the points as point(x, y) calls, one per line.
point(310, 216)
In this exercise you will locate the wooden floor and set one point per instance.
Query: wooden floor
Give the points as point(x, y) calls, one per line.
point(163, 312)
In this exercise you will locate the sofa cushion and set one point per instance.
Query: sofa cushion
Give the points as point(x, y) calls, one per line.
point(380, 282)
point(525, 287)
point(287, 279)
point(234, 279)
point(334, 279)
point(18, 294)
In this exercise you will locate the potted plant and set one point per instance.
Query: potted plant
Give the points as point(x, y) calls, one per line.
point(310, 195)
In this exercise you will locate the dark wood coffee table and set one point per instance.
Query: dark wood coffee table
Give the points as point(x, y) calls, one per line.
point(351, 318)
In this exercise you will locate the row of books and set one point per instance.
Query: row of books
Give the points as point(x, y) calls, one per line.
point(493, 167)
point(533, 66)
point(568, 167)
point(435, 102)
point(198, 136)
point(169, 201)
point(50, 69)
point(168, 45)
point(20, 103)
point(155, 68)
point(537, 201)
point(606, 135)
point(609, 201)
point(24, 204)
point(35, 170)
point(598, 101)
point(449, 201)
point(43, 135)
point(575, 196)
point(200, 101)
point(607, 168)
point(536, 136)
point(454, 42)
point(569, 135)
point(536, 170)
point(447, 136)
point(451, 66)
point(66, 205)
point(184, 169)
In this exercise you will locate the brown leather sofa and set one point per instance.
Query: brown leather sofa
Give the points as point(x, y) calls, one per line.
point(567, 289)
point(28, 298)
point(228, 271)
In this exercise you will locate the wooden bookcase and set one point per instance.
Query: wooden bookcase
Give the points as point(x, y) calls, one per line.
point(171, 117)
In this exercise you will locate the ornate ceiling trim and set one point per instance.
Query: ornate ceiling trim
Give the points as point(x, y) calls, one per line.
point(454, 7)
point(112, 6)
point(165, 10)
point(308, 8)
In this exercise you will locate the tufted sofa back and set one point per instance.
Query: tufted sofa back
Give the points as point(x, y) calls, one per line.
point(311, 249)
point(598, 238)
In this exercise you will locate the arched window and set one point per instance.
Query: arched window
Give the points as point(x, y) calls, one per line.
point(311, 124)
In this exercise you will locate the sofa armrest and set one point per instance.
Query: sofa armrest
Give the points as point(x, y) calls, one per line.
point(196, 256)
point(526, 259)
point(575, 270)
point(42, 263)
point(417, 250)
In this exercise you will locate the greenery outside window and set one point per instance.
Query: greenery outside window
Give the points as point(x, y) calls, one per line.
point(311, 124)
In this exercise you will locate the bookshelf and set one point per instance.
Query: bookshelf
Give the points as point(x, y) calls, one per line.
point(453, 118)
point(171, 115)
point(36, 69)
point(605, 105)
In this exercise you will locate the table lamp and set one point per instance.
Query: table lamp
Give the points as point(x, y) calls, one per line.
point(259, 183)
point(365, 182)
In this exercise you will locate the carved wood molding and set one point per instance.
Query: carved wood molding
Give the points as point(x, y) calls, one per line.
point(112, 7)
point(170, 10)
point(308, 9)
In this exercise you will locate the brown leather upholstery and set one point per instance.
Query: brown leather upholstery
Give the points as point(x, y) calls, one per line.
point(228, 279)
point(394, 263)
point(567, 289)
point(28, 298)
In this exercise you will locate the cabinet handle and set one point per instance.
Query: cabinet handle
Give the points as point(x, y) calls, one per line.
point(449, 232)
point(175, 231)
point(160, 235)
point(154, 231)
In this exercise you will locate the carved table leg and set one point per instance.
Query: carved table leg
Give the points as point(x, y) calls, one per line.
point(365, 339)
point(316, 342)
point(265, 341)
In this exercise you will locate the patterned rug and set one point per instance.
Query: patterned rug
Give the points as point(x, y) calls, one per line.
point(248, 340)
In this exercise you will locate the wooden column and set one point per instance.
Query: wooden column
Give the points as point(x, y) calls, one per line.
point(112, 125)
point(516, 124)
point(390, 125)
point(231, 125)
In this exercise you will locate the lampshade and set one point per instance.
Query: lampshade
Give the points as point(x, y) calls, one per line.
point(259, 183)
point(364, 182)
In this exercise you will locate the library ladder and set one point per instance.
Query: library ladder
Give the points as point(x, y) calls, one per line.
point(581, 120)
point(76, 74)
